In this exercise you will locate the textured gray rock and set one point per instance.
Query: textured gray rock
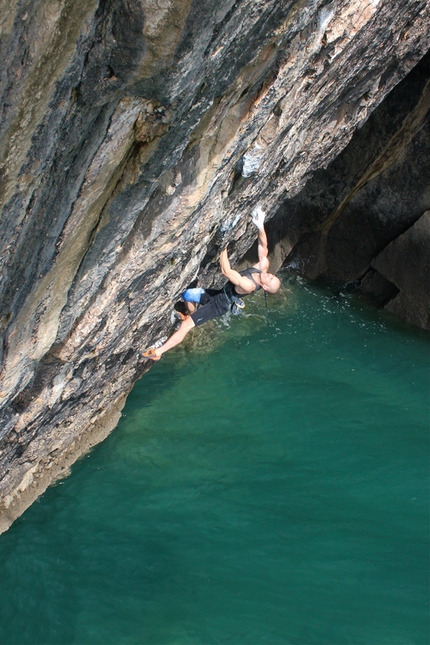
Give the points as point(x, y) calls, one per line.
point(371, 193)
point(135, 136)
point(405, 262)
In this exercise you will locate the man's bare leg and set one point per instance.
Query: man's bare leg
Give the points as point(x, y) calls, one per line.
point(191, 307)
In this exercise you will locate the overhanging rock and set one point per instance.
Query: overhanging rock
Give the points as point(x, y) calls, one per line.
point(133, 131)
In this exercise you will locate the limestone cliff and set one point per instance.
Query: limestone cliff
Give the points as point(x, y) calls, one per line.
point(135, 135)
point(338, 227)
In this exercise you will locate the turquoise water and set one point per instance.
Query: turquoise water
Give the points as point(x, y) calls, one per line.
point(266, 484)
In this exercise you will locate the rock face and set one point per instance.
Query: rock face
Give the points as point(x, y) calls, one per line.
point(135, 137)
point(338, 226)
point(405, 262)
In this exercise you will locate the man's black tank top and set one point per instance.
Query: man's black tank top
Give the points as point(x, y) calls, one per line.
point(247, 273)
point(230, 289)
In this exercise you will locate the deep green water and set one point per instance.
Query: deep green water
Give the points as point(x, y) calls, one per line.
point(266, 484)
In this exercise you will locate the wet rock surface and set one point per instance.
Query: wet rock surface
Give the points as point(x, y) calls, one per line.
point(135, 138)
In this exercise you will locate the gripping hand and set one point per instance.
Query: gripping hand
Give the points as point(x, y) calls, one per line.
point(258, 217)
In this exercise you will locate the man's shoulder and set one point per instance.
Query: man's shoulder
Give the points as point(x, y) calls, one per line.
point(254, 269)
point(263, 265)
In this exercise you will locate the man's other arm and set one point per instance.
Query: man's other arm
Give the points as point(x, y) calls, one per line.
point(234, 276)
point(258, 217)
point(263, 250)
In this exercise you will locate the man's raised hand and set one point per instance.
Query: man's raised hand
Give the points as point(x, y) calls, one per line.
point(258, 217)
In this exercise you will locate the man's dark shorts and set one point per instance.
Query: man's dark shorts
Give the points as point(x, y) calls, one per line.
point(213, 303)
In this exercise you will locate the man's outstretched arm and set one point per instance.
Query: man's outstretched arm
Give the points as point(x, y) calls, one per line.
point(232, 275)
point(258, 216)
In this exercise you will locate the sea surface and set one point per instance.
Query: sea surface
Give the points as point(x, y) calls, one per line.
point(268, 483)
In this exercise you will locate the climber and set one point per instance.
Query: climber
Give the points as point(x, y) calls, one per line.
point(214, 303)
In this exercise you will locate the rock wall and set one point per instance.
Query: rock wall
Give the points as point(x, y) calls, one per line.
point(135, 137)
point(344, 224)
